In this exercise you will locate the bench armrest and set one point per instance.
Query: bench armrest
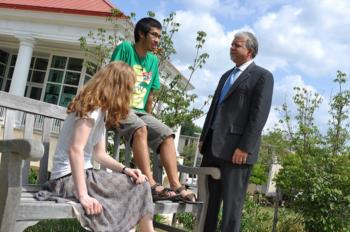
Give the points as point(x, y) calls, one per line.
point(212, 171)
point(12, 154)
point(26, 149)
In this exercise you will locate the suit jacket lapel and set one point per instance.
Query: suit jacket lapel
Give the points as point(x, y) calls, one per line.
point(244, 75)
point(221, 85)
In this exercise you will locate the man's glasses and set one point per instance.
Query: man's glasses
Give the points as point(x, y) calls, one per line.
point(155, 35)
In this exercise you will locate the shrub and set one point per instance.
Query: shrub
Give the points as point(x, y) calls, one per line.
point(187, 220)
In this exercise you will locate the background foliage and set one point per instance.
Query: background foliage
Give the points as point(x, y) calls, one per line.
point(315, 178)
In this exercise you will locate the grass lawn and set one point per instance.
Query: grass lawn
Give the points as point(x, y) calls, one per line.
point(71, 225)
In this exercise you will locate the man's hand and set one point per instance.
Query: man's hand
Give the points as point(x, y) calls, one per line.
point(90, 205)
point(239, 157)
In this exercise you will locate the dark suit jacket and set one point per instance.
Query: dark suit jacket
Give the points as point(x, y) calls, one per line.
point(241, 115)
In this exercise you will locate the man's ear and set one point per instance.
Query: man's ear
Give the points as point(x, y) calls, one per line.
point(251, 52)
point(142, 35)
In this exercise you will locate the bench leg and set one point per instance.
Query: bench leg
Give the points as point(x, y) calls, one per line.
point(22, 225)
point(10, 193)
point(202, 196)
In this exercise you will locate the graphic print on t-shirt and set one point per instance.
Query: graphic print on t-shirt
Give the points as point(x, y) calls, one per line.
point(143, 79)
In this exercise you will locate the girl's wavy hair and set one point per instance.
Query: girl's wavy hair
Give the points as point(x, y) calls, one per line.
point(110, 90)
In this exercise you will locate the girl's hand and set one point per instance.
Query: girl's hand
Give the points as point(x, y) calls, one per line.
point(136, 175)
point(90, 205)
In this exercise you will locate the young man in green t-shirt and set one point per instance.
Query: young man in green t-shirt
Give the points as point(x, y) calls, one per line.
point(141, 129)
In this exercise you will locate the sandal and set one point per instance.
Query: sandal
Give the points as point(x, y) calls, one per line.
point(189, 198)
point(163, 194)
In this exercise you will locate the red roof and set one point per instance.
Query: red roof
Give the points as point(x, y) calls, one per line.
point(84, 7)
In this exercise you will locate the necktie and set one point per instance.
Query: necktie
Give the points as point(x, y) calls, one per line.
point(228, 84)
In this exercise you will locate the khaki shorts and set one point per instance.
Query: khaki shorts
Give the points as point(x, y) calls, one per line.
point(157, 131)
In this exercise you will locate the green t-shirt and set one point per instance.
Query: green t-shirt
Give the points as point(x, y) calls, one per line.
point(146, 69)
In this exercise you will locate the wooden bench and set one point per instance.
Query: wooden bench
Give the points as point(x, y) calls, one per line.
point(38, 122)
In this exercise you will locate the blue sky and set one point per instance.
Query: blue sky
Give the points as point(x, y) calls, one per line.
point(303, 43)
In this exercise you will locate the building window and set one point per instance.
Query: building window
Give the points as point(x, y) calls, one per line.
point(63, 80)
point(10, 73)
point(36, 78)
point(91, 69)
point(3, 63)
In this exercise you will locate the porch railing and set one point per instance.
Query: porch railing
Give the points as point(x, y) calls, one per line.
point(38, 121)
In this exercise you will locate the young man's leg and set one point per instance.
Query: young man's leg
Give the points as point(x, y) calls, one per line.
point(161, 139)
point(141, 154)
point(142, 159)
point(135, 132)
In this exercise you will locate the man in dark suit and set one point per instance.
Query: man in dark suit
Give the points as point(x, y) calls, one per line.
point(232, 131)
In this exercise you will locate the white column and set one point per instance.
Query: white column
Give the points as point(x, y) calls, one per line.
point(20, 74)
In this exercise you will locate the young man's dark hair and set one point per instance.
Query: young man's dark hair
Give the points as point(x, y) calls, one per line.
point(144, 25)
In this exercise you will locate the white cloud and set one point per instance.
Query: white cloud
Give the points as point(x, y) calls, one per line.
point(283, 93)
point(309, 37)
point(272, 120)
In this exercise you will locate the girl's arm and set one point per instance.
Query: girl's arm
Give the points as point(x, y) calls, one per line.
point(81, 133)
point(103, 158)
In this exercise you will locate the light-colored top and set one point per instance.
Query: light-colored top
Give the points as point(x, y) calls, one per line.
point(61, 166)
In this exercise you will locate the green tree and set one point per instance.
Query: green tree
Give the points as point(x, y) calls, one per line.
point(189, 153)
point(98, 45)
point(259, 174)
point(315, 172)
point(173, 102)
point(274, 145)
point(306, 135)
point(338, 132)
point(189, 128)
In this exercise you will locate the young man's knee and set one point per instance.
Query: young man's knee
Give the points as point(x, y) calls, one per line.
point(141, 132)
point(169, 139)
point(167, 142)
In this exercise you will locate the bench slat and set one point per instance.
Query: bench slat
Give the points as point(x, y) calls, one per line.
point(32, 106)
point(29, 126)
point(44, 210)
point(9, 124)
point(31, 188)
point(28, 134)
point(171, 207)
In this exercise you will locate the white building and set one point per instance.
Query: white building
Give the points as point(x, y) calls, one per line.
point(40, 54)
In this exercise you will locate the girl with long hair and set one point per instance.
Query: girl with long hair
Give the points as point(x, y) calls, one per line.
point(114, 201)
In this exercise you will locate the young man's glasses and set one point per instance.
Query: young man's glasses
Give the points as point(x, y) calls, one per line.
point(155, 34)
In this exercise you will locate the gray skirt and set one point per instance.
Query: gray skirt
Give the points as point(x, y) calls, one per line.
point(124, 203)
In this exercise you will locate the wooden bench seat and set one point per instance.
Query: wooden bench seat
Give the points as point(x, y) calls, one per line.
point(18, 206)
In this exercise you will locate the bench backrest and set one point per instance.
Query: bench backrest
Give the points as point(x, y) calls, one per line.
point(30, 116)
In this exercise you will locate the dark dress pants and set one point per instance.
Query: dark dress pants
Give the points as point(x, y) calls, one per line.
point(230, 190)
